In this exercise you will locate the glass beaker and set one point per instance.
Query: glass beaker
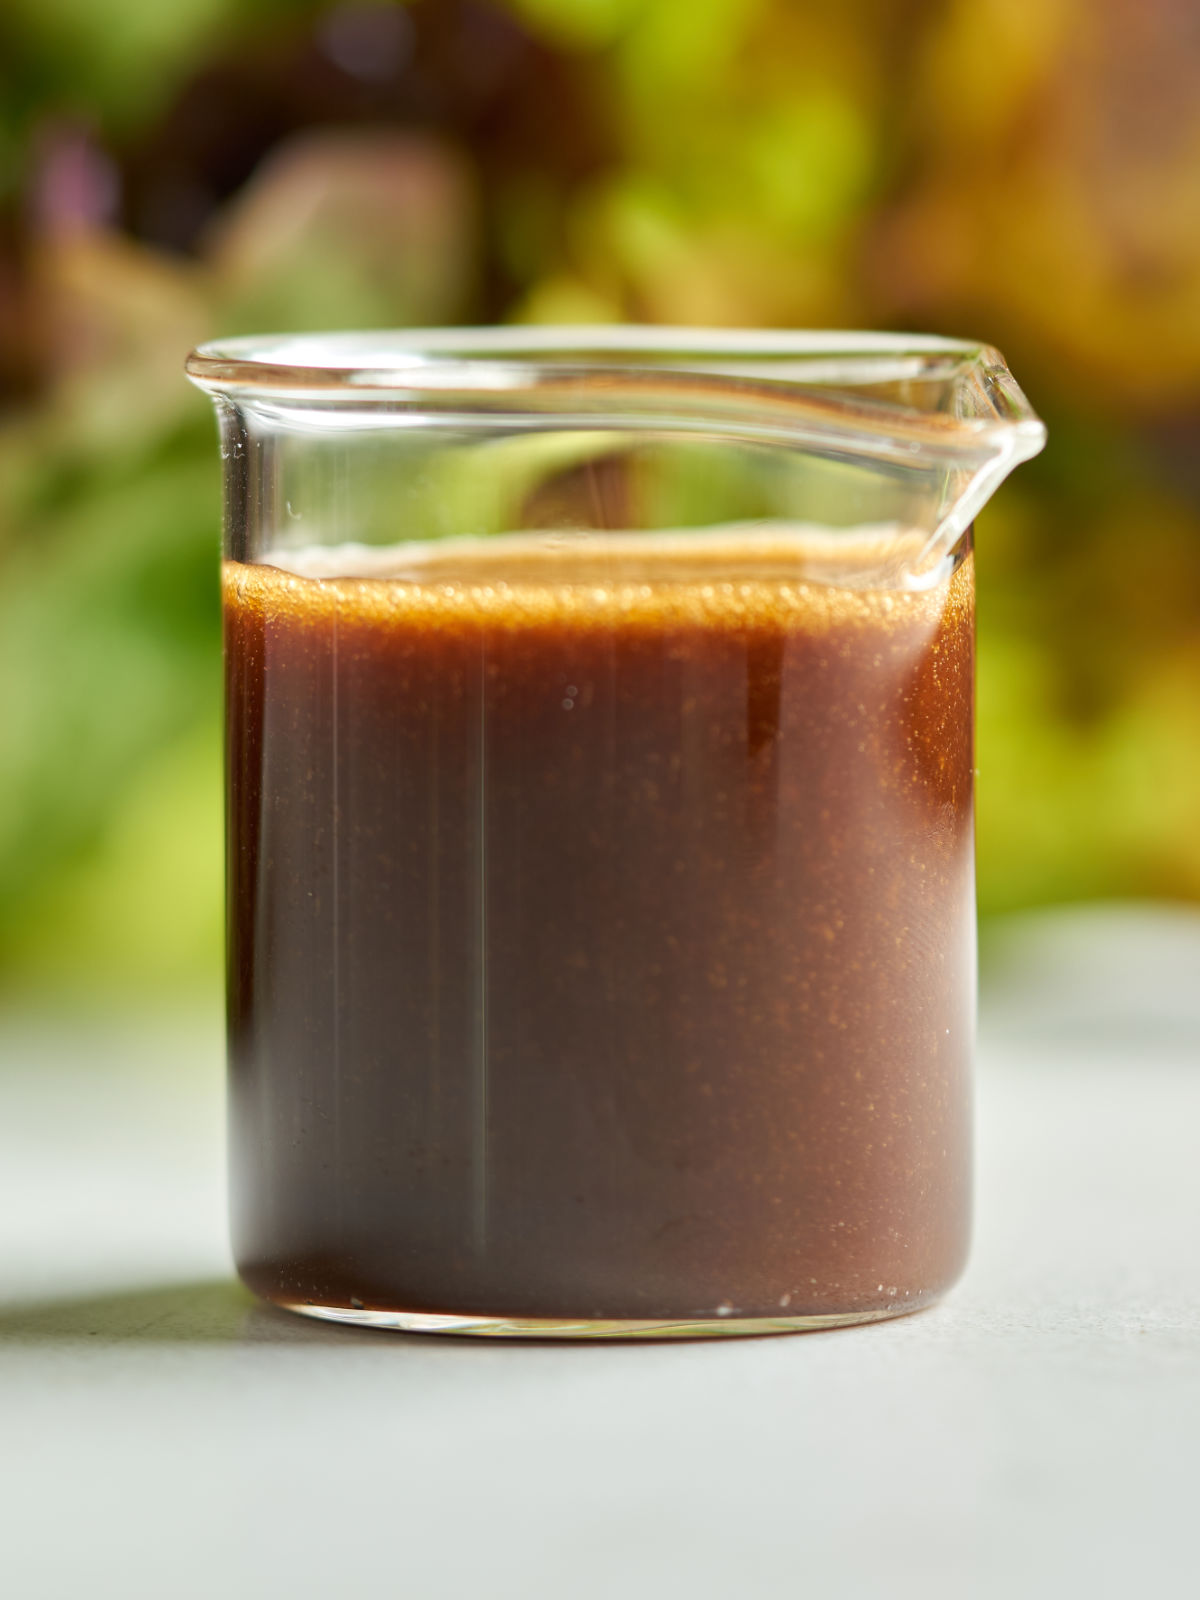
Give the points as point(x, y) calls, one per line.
point(601, 951)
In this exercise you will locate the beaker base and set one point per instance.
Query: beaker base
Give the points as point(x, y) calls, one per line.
point(479, 1325)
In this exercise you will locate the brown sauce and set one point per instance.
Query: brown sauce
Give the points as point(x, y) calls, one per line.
point(601, 933)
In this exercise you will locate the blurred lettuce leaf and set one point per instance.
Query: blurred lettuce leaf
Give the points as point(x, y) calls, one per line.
point(121, 57)
point(364, 228)
point(143, 903)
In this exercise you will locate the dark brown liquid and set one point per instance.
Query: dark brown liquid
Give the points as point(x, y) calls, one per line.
point(601, 939)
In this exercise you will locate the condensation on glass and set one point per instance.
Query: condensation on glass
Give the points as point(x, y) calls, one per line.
point(600, 861)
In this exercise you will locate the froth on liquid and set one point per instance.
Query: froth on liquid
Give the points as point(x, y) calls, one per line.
point(758, 576)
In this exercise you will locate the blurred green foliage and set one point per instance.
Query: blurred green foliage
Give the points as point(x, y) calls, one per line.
point(1020, 170)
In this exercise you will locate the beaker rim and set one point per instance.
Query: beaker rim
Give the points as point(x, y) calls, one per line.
point(891, 393)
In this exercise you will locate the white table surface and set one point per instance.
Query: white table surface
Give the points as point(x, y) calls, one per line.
point(1037, 1435)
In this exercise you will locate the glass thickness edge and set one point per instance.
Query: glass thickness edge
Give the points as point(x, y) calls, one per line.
point(787, 382)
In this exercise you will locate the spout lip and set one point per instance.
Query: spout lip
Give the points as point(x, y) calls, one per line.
point(893, 395)
point(1003, 395)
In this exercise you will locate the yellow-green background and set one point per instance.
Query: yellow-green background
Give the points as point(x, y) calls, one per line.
point(1024, 171)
